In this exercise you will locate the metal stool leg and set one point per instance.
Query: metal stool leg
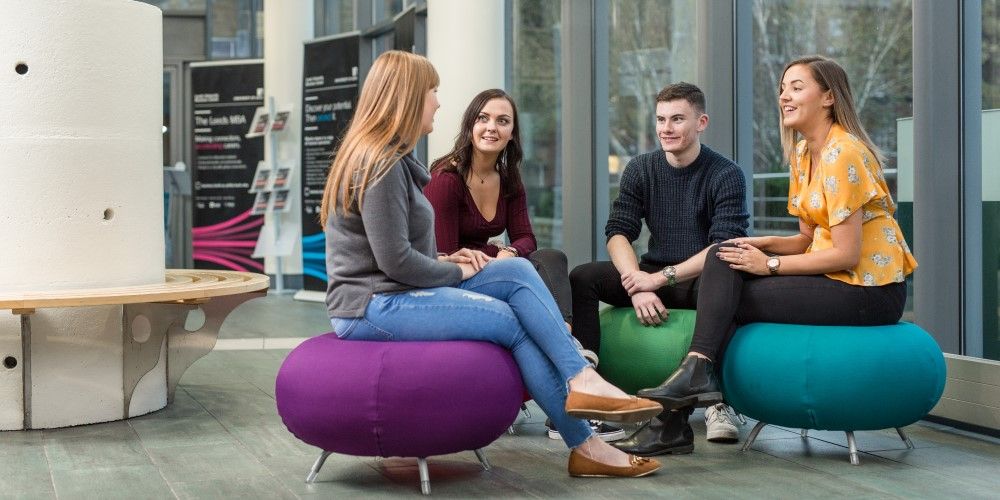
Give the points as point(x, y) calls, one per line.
point(482, 459)
point(317, 466)
point(804, 433)
point(904, 437)
point(425, 476)
point(753, 435)
point(852, 447)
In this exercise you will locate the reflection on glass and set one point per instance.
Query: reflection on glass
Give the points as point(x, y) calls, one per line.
point(872, 40)
point(535, 87)
point(991, 179)
point(652, 44)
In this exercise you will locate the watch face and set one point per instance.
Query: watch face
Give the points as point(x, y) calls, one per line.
point(773, 263)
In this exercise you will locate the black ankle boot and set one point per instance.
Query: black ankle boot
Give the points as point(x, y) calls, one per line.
point(667, 433)
point(694, 383)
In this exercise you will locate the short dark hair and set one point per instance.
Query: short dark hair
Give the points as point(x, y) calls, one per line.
point(683, 90)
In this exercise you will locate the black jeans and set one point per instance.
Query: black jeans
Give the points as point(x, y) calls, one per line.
point(600, 282)
point(729, 298)
point(553, 267)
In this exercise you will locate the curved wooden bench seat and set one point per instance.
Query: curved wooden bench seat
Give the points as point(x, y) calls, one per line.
point(82, 356)
point(179, 286)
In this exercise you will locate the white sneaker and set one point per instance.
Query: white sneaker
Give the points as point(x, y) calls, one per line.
point(719, 424)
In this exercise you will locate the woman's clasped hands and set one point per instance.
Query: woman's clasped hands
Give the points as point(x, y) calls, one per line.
point(471, 261)
point(742, 254)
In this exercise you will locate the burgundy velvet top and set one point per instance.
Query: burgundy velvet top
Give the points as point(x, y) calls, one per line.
point(459, 224)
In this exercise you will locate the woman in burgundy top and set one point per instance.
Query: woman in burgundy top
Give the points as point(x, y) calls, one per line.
point(477, 194)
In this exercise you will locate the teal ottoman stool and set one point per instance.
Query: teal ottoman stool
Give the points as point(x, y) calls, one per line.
point(842, 378)
point(634, 356)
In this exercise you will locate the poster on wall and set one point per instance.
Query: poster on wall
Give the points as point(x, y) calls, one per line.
point(225, 96)
point(329, 93)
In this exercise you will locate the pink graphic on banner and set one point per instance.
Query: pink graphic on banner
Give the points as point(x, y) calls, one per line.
point(229, 244)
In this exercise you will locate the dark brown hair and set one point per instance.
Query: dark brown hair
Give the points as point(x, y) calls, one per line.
point(683, 90)
point(460, 157)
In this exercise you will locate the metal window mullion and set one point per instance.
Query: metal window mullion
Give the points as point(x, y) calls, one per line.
point(577, 129)
point(601, 206)
point(971, 208)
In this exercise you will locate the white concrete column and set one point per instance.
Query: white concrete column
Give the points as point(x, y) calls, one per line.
point(287, 25)
point(465, 41)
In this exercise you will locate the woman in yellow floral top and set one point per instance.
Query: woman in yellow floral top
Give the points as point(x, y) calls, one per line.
point(847, 264)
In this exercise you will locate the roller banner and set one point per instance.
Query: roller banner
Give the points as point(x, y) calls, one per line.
point(329, 94)
point(225, 96)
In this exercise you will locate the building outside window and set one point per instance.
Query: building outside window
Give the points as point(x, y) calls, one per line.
point(535, 86)
point(872, 40)
point(652, 43)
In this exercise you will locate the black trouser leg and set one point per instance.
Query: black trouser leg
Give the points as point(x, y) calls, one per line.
point(598, 282)
point(552, 266)
point(728, 298)
point(592, 284)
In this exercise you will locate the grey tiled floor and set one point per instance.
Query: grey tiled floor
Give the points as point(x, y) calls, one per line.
point(222, 438)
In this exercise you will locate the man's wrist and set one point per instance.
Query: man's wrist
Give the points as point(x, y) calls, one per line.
point(669, 273)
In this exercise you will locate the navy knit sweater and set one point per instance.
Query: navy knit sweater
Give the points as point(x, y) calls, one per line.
point(686, 209)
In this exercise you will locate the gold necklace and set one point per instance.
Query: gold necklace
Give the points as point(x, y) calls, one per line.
point(482, 179)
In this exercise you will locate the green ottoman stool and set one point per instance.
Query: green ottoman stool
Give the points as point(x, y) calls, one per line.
point(841, 378)
point(634, 356)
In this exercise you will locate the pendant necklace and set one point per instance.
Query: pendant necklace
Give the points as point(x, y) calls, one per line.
point(482, 180)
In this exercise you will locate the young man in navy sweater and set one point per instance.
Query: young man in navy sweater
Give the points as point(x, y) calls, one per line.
point(690, 198)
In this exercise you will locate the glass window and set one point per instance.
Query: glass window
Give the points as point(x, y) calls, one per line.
point(991, 179)
point(334, 16)
point(651, 44)
point(872, 40)
point(236, 29)
point(386, 9)
point(535, 86)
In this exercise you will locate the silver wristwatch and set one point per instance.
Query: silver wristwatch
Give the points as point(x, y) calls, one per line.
point(773, 263)
point(670, 272)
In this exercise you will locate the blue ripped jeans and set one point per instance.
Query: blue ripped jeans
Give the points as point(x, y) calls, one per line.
point(507, 304)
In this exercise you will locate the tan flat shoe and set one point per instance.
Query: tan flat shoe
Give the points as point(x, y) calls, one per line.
point(631, 409)
point(581, 466)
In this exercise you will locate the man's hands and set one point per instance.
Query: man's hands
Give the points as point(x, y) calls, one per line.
point(649, 309)
point(640, 285)
point(641, 281)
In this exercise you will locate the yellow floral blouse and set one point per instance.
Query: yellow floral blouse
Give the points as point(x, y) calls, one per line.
point(848, 179)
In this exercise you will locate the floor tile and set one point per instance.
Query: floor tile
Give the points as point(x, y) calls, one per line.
point(245, 487)
point(127, 483)
point(182, 431)
point(99, 450)
point(205, 462)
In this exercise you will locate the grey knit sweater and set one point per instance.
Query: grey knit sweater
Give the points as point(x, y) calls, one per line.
point(389, 247)
point(686, 209)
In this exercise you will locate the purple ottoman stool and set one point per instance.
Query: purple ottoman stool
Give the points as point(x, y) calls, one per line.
point(378, 398)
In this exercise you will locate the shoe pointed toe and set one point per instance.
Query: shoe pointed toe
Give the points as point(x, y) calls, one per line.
point(582, 466)
point(631, 409)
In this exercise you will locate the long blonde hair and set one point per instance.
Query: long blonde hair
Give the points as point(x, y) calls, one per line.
point(830, 76)
point(387, 123)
